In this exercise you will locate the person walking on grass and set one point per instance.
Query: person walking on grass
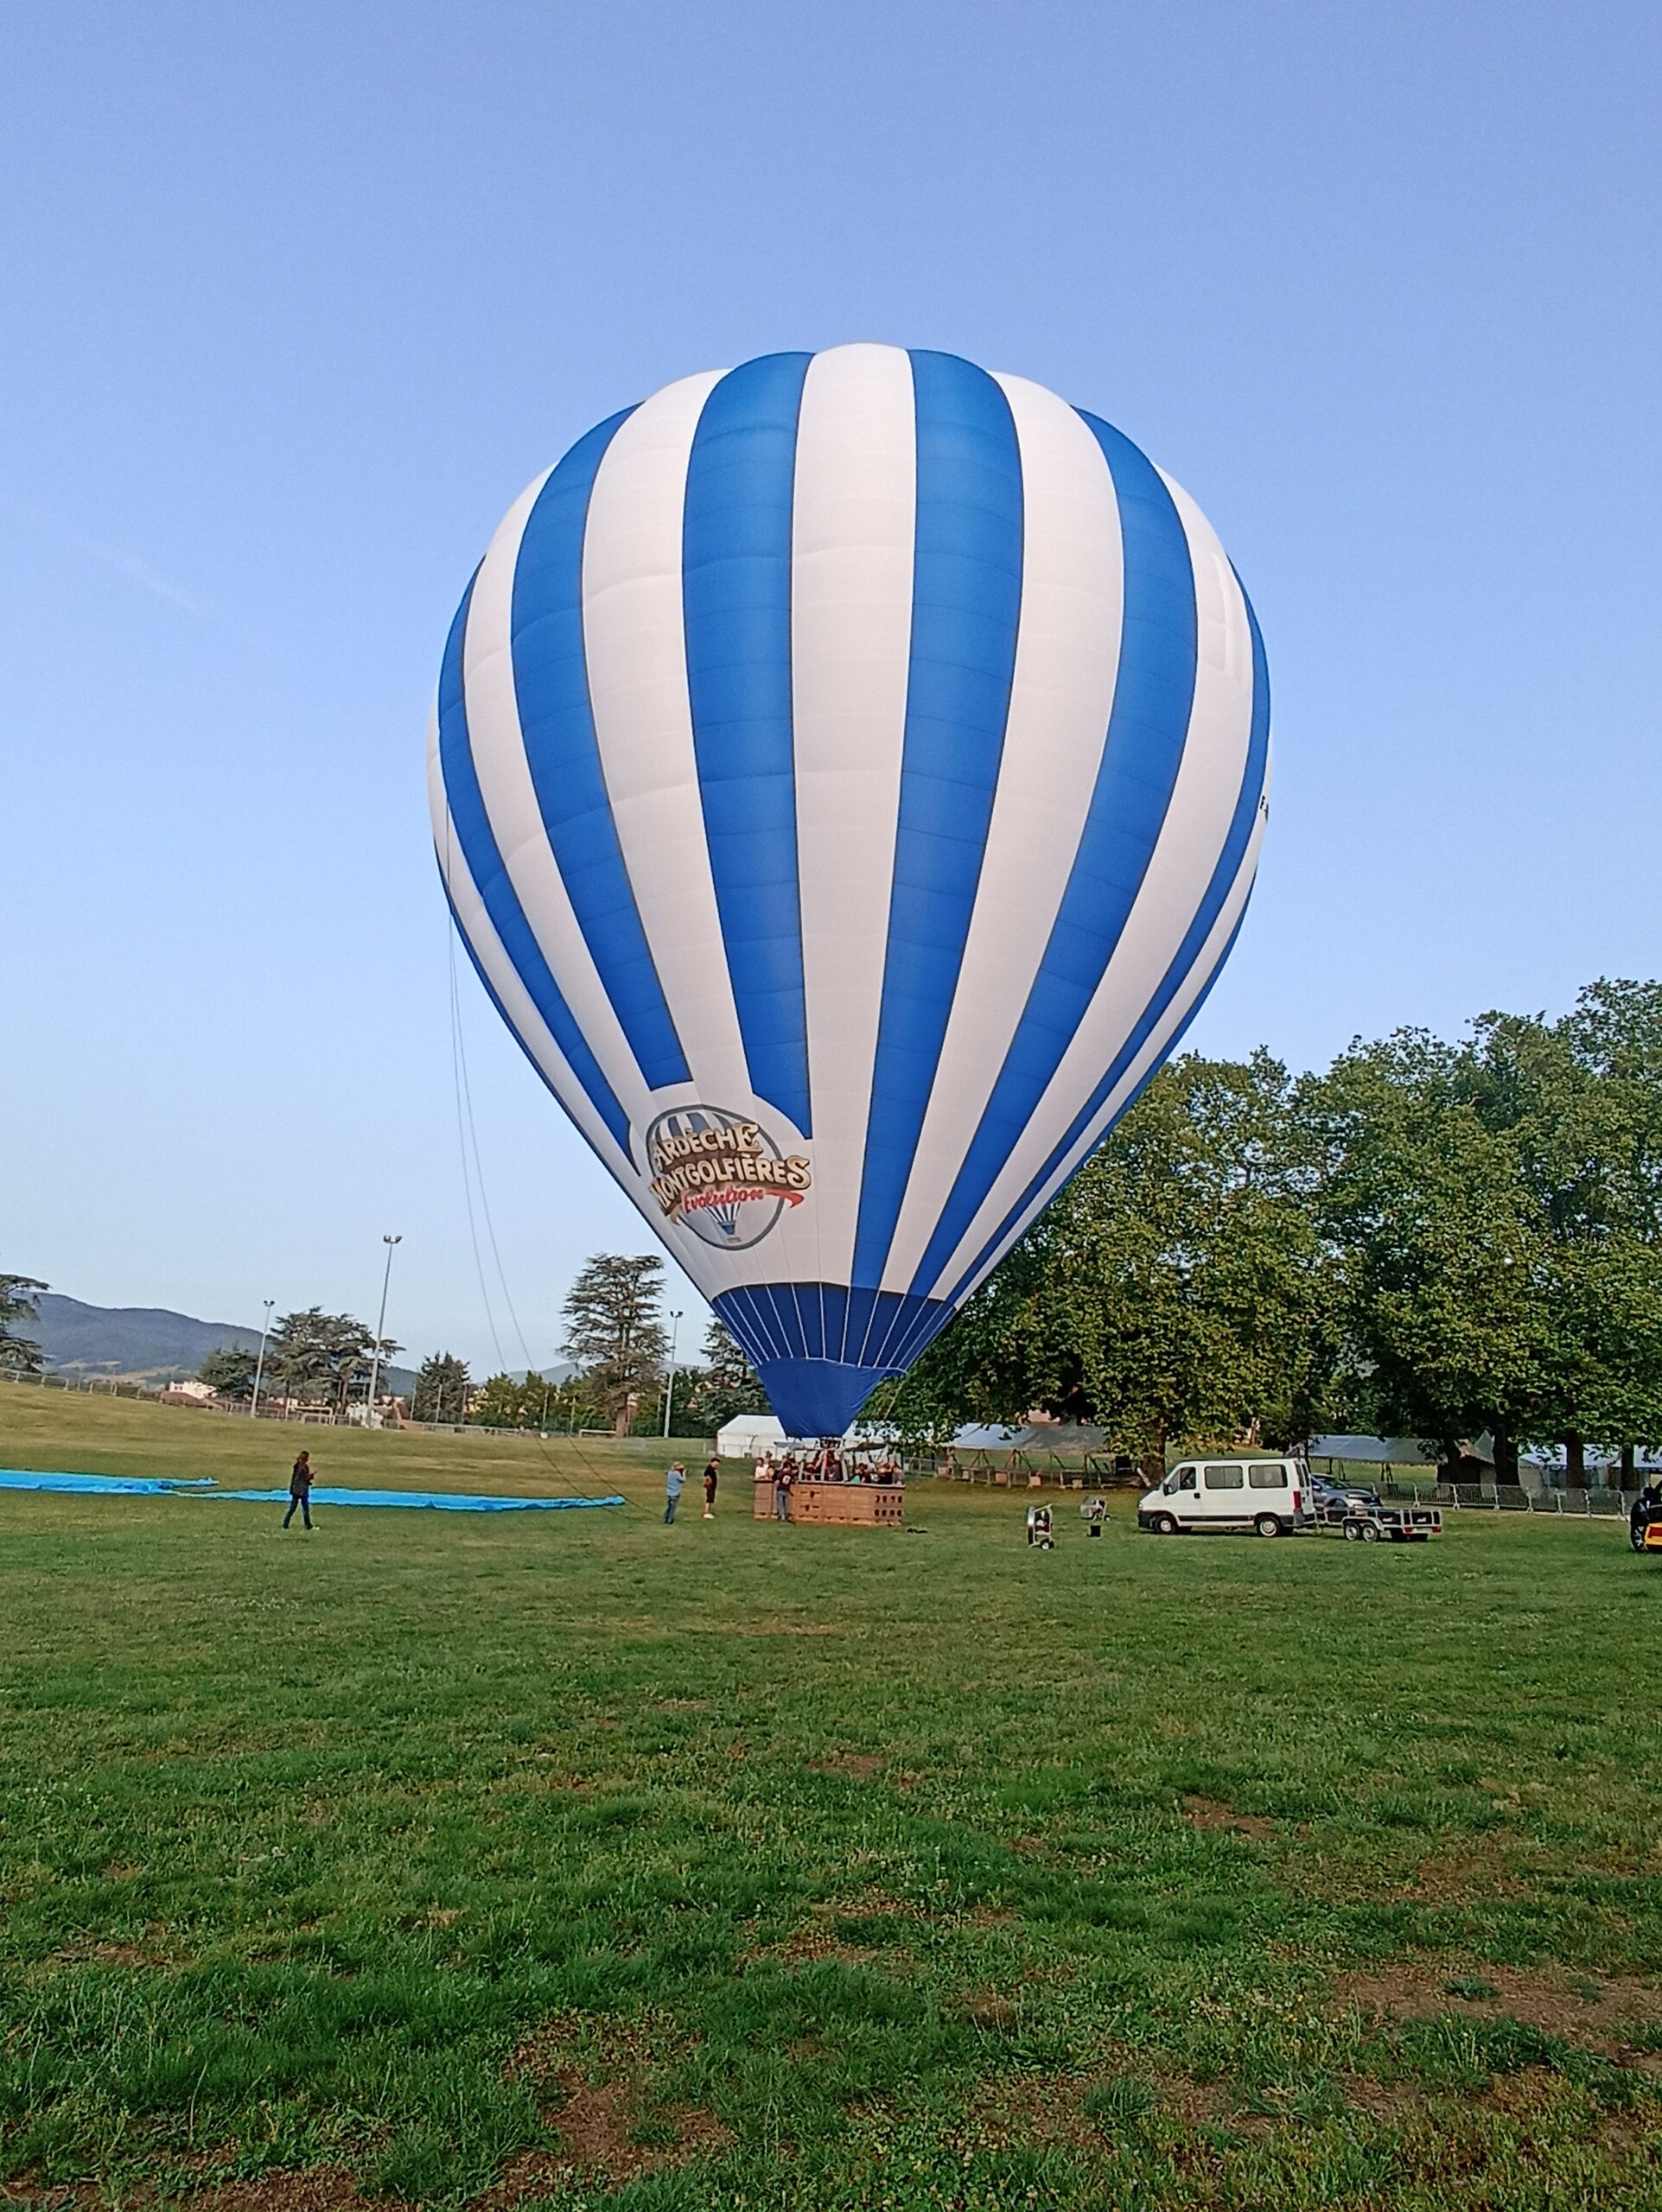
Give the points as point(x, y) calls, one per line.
point(674, 1483)
point(712, 1475)
point(300, 1489)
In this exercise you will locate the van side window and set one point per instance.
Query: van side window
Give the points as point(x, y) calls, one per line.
point(1274, 1478)
point(1225, 1479)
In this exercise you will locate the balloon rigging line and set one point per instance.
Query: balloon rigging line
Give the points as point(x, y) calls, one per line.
point(466, 1133)
point(462, 1140)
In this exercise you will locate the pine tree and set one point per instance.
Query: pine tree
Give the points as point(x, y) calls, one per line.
point(19, 1354)
point(612, 1329)
point(728, 1384)
point(442, 1389)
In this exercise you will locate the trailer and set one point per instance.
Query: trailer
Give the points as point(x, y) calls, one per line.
point(1373, 1525)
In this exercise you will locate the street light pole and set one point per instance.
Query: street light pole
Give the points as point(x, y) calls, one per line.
point(260, 1364)
point(380, 1331)
point(669, 1395)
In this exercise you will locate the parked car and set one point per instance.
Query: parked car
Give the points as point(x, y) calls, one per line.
point(1331, 1501)
point(1265, 1495)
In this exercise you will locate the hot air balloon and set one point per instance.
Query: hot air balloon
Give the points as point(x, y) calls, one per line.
point(848, 774)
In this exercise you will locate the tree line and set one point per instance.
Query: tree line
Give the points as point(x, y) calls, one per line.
point(312, 1358)
point(615, 1335)
point(1428, 1239)
point(1436, 1239)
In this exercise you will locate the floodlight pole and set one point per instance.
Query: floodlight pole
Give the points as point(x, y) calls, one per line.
point(669, 1395)
point(380, 1331)
point(260, 1364)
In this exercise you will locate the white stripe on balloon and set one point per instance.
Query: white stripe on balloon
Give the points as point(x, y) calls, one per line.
point(634, 642)
point(477, 928)
point(852, 540)
point(510, 799)
point(1153, 1050)
point(1191, 842)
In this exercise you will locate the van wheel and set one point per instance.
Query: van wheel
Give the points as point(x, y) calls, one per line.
point(1267, 1525)
point(1163, 1525)
point(1369, 1534)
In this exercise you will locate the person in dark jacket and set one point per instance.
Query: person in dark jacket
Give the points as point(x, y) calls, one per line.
point(712, 1475)
point(300, 1489)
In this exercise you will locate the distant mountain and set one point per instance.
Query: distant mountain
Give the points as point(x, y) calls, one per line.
point(142, 1344)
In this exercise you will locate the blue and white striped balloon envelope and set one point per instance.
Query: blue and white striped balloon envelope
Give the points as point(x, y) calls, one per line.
point(848, 776)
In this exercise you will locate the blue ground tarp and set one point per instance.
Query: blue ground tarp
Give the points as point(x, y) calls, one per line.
point(203, 1486)
point(128, 1485)
point(441, 1501)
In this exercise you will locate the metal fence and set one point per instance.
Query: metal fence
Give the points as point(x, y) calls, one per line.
point(1587, 1504)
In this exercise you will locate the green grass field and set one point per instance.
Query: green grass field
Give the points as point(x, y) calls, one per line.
point(569, 1860)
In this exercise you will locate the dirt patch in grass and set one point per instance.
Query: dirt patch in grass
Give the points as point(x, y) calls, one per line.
point(840, 1928)
point(1059, 2110)
point(108, 1954)
point(590, 2069)
point(603, 2132)
point(1481, 1868)
point(1592, 2012)
point(1209, 1813)
point(317, 2188)
point(613, 2044)
point(860, 1765)
point(1388, 2101)
point(811, 1946)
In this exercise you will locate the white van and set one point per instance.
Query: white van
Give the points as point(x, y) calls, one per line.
point(1266, 1496)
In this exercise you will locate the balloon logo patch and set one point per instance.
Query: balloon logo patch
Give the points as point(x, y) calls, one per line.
point(722, 1176)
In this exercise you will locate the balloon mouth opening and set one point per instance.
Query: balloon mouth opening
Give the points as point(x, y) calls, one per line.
point(817, 1397)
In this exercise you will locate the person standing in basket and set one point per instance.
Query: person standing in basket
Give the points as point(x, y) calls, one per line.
point(674, 1483)
point(712, 1475)
point(782, 1490)
point(300, 1489)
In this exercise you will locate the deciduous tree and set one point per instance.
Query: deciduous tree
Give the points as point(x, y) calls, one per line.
point(1177, 1287)
point(228, 1370)
point(322, 1358)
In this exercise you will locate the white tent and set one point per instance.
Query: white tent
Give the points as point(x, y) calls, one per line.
point(747, 1435)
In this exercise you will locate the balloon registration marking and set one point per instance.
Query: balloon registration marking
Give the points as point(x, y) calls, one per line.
point(722, 1176)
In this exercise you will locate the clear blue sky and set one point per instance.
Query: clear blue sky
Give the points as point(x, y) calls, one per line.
point(296, 297)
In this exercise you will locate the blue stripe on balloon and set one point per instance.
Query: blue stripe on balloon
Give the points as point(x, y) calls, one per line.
point(1225, 875)
point(735, 567)
point(556, 721)
point(501, 902)
point(490, 992)
point(966, 596)
point(1148, 724)
point(814, 1381)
